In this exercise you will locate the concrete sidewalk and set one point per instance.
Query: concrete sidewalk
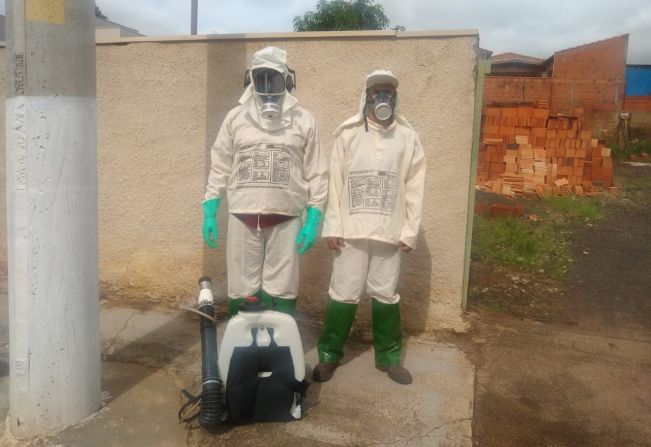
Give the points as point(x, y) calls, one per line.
point(149, 356)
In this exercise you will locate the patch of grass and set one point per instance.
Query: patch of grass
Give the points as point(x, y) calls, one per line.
point(529, 246)
point(630, 177)
point(639, 142)
point(543, 245)
point(573, 207)
point(635, 185)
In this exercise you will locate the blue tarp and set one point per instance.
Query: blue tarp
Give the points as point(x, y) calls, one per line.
point(638, 80)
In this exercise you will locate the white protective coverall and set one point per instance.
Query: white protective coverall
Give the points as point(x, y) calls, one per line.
point(374, 202)
point(266, 167)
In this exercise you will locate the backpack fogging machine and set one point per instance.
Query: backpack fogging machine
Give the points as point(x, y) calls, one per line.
point(258, 372)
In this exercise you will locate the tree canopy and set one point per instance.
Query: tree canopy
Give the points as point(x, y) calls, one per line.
point(339, 15)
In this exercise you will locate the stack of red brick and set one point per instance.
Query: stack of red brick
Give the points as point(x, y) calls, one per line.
point(524, 150)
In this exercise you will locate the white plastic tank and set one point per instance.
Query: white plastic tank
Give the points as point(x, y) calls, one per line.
point(239, 334)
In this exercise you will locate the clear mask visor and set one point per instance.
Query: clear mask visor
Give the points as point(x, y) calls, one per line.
point(268, 82)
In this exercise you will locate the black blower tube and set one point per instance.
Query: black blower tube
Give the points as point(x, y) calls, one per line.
point(212, 402)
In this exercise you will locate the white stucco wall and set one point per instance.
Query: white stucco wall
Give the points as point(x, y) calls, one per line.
point(160, 104)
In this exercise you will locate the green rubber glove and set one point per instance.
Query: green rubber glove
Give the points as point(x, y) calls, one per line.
point(210, 230)
point(308, 234)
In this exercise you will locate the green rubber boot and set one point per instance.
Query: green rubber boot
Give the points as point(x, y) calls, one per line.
point(234, 303)
point(387, 341)
point(338, 321)
point(284, 305)
point(234, 306)
point(387, 338)
point(267, 299)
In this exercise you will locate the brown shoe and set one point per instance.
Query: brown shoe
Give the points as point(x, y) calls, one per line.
point(324, 371)
point(397, 373)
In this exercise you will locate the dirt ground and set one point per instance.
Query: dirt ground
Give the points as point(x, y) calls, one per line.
point(568, 363)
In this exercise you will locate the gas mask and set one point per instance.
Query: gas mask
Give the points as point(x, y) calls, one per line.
point(382, 102)
point(270, 87)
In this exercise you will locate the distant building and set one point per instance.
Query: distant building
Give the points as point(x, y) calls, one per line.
point(484, 54)
point(638, 80)
point(104, 30)
point(107, 30)
point(514, 64)
point(588, 79)
point(638, 95)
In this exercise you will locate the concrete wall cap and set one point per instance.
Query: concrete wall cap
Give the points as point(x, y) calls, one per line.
point(294, 36)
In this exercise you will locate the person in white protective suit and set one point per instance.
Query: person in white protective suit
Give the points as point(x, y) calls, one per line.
point(377, 174)
point(268, 160)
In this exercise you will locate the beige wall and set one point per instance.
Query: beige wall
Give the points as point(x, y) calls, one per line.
point(107, 33)
point(160, 105)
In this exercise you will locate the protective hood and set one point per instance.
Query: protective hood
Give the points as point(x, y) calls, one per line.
point(275, 59)
point(376, 77)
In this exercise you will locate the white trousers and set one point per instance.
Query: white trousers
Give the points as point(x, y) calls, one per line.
point(364, 262)
point(265, 259)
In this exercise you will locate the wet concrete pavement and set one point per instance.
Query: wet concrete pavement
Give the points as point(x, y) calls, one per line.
point(150, 355)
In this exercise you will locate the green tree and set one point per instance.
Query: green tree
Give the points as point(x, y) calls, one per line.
point(98, 13)
point(339, 15)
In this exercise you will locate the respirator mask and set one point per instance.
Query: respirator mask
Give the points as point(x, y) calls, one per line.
point(270, 87)
point(382, 102)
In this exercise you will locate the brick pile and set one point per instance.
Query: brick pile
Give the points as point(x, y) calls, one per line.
point(525, 151)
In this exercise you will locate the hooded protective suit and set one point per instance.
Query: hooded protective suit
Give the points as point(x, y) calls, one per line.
point(375, 199)
point(376, 180)
point(268, 166)
point(271, 170)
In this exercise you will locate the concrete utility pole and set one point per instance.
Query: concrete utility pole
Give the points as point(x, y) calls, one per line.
point(193, 24)
point(52, 215)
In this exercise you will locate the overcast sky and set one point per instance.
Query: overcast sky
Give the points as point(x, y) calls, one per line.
point(532, 27)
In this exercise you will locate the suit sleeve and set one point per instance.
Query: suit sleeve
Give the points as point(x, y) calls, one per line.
point(414, 188)
point(315, 170)
point(221, 162)
point(332, 226)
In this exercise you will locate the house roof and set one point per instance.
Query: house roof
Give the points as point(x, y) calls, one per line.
point(484, 53)
point(508, 58)
point(593, 43)
point(125, 30)
point(551, 58)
